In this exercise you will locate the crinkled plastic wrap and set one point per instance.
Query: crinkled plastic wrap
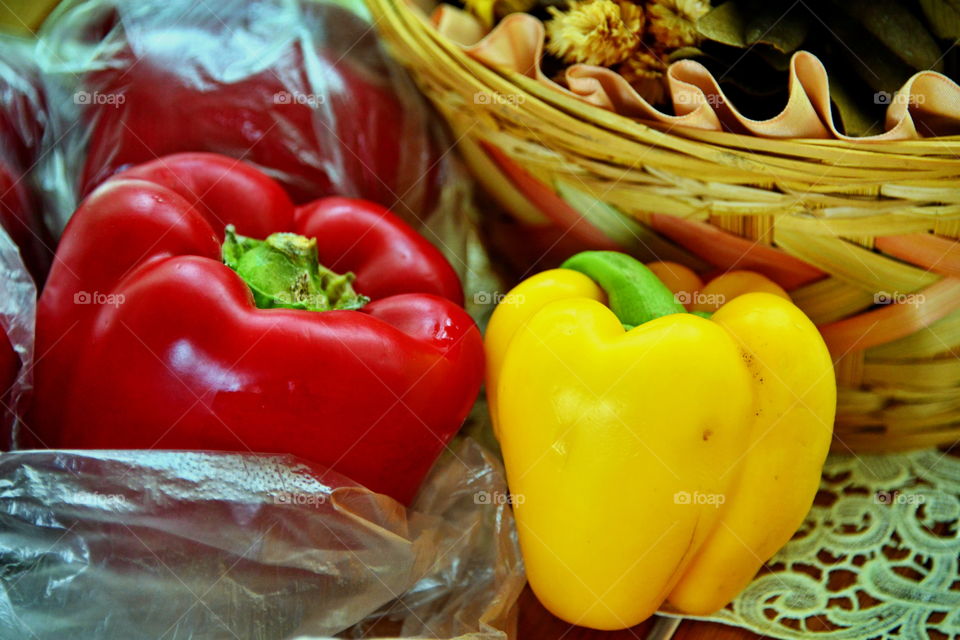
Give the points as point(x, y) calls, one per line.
point(18, 306)
point(144, 544)
point(23, 119)
point(299, 88)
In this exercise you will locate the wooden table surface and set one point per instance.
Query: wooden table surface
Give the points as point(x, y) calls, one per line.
point(536, 623)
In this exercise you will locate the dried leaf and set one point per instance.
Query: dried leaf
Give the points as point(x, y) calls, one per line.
point(785, 32)
point(854, 119)
point(866, 55)
point(776, 59)
point(898, 29)
point(683, 53)
point(943, 17)
point(725, 24)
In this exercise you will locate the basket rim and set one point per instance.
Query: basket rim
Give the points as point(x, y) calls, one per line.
point(926, 147)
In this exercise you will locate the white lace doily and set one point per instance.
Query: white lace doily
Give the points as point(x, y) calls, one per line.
point(876, 558)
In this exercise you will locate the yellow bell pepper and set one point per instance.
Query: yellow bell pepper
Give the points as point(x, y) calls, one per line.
point(662, 457)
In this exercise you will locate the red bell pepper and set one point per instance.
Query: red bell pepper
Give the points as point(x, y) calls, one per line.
point(151, 341)
point(323, 120)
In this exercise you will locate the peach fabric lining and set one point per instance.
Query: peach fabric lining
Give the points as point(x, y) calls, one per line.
point(928, 104)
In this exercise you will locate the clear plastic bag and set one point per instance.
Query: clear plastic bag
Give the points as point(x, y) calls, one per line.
point(149, 544)
point(18, 308)
point(299, 88)
point(23, 120)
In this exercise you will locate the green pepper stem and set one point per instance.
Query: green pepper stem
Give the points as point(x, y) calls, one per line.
point(284, 271)
point(634, 293)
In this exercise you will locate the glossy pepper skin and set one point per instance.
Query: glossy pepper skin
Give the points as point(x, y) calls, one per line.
point(659, 465)
point(151, 341)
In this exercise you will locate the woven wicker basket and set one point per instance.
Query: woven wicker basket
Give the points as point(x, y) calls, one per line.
point(839, 224)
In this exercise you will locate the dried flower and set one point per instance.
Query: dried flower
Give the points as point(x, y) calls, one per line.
point(673, 23)
point(600, 32)
point(646, 73)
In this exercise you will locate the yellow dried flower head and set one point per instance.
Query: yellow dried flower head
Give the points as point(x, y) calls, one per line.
point(673, 22)
point(646, 73)
point(600, 32)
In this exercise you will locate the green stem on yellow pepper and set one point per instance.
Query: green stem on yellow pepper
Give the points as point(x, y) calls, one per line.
point(634, 293)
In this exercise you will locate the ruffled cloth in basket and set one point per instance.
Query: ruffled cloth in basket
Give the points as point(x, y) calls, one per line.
point(927, 105)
